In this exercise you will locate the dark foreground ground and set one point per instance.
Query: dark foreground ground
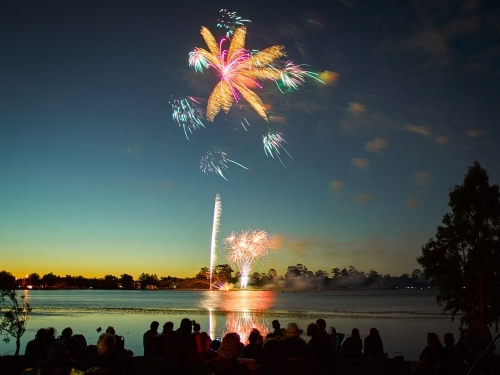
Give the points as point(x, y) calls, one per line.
point(10, 365)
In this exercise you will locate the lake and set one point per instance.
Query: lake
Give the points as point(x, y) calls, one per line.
point(403, 317)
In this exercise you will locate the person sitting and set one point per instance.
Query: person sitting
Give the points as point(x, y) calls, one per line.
point(107, 357)
point(374, 346)
point(352, 346)
point(323, 335)
point(455, 362)
point(36, 350)
point(294, 344)
point(75, 350)
point(57, 361)
point(254, 348)
point(274, 360)
point(432, 355)
point(148, 339)
point(332, 334)
point(227, 359)
point(119, 342)
point(161, 340)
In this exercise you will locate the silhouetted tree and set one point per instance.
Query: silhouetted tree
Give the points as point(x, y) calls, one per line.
point(7, 280)
point(463, 259)
point(15, 313)
point(127, 281)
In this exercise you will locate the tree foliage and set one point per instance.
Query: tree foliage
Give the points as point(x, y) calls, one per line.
point(15, 312)
point(463, 259)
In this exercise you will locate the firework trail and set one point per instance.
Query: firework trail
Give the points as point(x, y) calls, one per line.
point(293, 75)
point(215, 231)
point(273, 142)
point(245, 249)
point(237, 68)
point(215, 161)
point(186, 113)
point(230, 21)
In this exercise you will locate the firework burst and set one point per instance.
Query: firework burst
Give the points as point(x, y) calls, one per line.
point(215, 161)
point(238, 68)
point(273, 142)
point(186, 113)
point(245, 249)
point(230, 21)
point(293, 75)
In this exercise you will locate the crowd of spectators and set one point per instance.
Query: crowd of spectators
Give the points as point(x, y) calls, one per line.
point(282, 351)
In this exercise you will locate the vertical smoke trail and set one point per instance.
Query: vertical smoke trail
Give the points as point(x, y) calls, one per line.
point(215, 231)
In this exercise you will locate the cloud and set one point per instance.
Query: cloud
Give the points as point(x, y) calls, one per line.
point(359, 163)
point(132, 150)
point(336, 185)
point(423, 130)
point(356, 108)
point(475, 133)
point(376, 145)
point(364, 198)
point(165, 185)
point(442, 140)
point(421, 178)
point(412, 201)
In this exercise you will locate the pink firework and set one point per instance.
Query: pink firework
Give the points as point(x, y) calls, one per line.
point(245, 249)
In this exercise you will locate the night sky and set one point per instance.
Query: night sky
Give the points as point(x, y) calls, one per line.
point(96, 178)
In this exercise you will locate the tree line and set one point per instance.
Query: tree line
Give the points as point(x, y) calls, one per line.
point(295, 277)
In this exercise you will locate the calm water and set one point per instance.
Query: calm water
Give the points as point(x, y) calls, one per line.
point(403, 317)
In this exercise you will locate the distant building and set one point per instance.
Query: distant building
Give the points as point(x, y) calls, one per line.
point(150, 287)
point(137, 285)
point(172, 286)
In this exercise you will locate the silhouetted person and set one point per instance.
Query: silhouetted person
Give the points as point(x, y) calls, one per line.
point(275, 361)
point(352, 346)
point(119, 342)
point(58, 359)
point(294, 344)
point(107, 357)
point(432, 355)
point(374, 346)
point(227, 362)
point(254, 349)
point(75, 350)
point(276, 329)
point(320, 352)
point(322, 327)
point(148, 339)
point(36, 350)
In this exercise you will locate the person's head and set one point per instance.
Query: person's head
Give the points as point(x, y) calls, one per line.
point(292, 330)
point(196, 327)
point(154, 325)
point(67, 333)
point(355, 333)
point(230, 346)
point(168, 327)
point(106, 344)
point(269, 335)
point(321, 324)
point(41, 334)
point(374, 333)
point(276, 324)
point(253, 337)
point(214, 345)
point(51, 333)
point(186, 325)
point(312, 330)
point(449, 339)
point(57, 351)
point(273, 353)
point(110, 330)
point(332, 331)
point(433, 339)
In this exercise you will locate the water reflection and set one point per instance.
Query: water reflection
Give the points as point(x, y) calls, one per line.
point(243, 311)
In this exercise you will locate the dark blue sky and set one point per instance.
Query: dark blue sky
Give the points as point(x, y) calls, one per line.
point(97, 178)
